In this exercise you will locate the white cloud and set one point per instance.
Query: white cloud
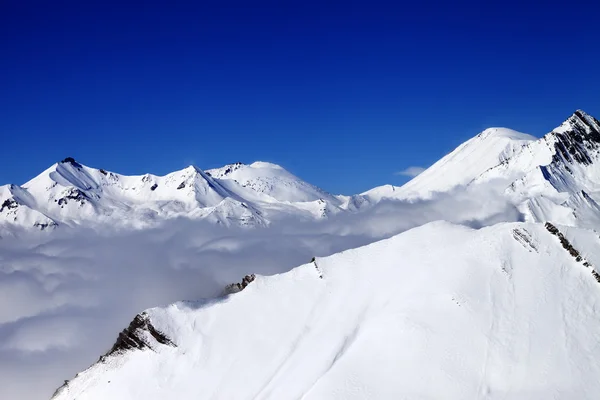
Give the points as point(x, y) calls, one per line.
point(65, 298)
point(411, 171)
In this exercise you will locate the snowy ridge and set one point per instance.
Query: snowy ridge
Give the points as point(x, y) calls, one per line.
point(441, 311)
point(554, 178)
point(69, 193)
point(471, 159)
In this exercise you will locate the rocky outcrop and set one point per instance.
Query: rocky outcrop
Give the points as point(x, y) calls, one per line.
point(74, 195)
point(45, 225)
point(71, 160)
point(576, 139)
point(9, 204)
point(238, 287)
point(572, 250)
point(137, 335)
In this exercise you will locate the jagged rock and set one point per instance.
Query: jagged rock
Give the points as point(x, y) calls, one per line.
point(73, 194)
point(71, 160)
point(181, 186)
point(43, 226)
point(575, 144)
point(9, 204)
point(133, 336)
point(153, 187)
point(573, 251)
point(238, 287)
point(563, 240)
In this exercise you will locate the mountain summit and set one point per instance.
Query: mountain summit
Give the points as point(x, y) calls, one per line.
point(553, 178)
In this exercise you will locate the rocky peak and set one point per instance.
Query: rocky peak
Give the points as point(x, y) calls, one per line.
point(577, 140)
point(71, 160)
point(238, 287)
point(225, 170)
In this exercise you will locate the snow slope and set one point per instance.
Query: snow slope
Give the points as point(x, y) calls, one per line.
point(468, 161)
point(440, 311)
point(272, 180)
point(554, 178)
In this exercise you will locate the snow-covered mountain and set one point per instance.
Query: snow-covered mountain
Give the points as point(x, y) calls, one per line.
point(69, 193)
point(440, 311)
point(502, 307)
point(554, 178)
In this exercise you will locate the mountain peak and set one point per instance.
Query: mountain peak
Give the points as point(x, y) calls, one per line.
point(192, 168)
point(264, 164)
point(499, 132)
point(579, 123)
point(71, 160)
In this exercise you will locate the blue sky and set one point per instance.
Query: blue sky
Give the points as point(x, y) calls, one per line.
point(343, 94)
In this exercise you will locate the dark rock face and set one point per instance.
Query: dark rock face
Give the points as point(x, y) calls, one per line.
point(45, 226)
point(103, 172)
point(71, 160)
point(572, 250)
point(9, 204)
point(232, 167)
point(132, 337)
point(74, 195)
point(153, 187)
point(181, 186)
point(238, 287)
point(576, 145)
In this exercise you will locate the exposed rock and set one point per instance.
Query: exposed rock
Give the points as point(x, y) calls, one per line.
point(575, 144)
point(572, 250)
point(9, 204)
point(43, 226)
point(153, 187)
point(133, 337)
point(524, 238)
point(73, 194)
point(181, 186)
point(238, 287)
point(71, 160)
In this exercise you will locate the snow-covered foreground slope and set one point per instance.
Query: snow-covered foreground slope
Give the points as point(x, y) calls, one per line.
point(441, 311)
point(63, 295)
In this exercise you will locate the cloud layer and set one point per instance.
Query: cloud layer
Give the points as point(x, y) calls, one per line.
point(64, 297)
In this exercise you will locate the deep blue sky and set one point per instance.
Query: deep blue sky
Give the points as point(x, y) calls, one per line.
point(343, 94)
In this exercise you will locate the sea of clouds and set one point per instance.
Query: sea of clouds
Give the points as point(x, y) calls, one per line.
point(65, 295)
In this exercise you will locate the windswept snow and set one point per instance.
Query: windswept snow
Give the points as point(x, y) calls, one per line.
point(441, 311)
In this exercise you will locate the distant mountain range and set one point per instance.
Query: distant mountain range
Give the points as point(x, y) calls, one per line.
point(556, 178)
